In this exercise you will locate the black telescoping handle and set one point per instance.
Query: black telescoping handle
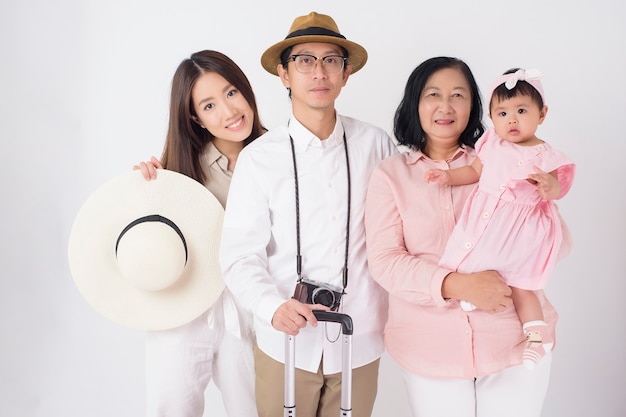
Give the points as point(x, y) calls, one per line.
point(344, 319)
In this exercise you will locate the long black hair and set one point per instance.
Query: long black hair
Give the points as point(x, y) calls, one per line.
point(186, 139)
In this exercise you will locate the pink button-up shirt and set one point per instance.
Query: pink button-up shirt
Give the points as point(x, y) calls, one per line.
point(408, 223)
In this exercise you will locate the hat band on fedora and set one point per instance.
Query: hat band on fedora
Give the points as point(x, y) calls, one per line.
point(314, 30)
point(153, 218)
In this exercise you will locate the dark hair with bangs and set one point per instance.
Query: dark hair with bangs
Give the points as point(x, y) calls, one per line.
point(186, 139)
point(522, 88)
point(407, 125)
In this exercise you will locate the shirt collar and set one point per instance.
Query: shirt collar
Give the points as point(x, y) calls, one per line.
point(212, 155)
point(414, 156)
point(303, 138)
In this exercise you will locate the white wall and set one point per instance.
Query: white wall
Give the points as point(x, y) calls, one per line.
point(84, 95)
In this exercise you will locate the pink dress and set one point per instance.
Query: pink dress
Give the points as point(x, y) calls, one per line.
point(505, 225)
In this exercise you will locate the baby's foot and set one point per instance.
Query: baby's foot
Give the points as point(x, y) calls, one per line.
point(538, 343)
point(534, 350)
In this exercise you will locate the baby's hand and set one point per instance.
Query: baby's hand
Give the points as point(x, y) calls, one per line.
point(438, 176)
point(546, 184)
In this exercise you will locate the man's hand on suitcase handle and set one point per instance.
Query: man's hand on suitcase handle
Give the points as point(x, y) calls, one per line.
point(293, 315)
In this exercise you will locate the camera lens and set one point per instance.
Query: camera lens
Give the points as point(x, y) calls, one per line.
point(323, 296)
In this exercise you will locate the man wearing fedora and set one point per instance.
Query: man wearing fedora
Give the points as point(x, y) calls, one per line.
point(294, 218)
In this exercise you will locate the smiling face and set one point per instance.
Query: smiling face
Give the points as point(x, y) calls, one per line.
point(444, 108)
point(317, 89)
point(516, 119)
point(221, 109)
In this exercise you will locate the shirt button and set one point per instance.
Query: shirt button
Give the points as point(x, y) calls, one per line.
point(485, 215)
point(502, 186)
point(468, 245)
point(541, 147)
point(520, 162)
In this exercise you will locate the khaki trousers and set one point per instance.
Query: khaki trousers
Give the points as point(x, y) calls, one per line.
point(317, 395)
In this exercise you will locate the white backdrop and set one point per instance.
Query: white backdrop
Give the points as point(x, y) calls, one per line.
point(84, 95)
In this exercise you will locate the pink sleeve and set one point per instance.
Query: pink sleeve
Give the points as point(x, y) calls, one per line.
point(555, 160)
point(480, 143)
point(407, 276)
point(565, 176)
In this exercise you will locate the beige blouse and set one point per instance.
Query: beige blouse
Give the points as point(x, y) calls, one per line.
point(215, 168)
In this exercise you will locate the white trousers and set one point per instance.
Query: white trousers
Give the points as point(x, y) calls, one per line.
point(181, 362)
point(514, 392)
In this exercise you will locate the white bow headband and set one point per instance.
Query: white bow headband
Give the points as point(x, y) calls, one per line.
point(531, 76)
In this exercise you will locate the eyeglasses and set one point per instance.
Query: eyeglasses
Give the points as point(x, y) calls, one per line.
point(332, 64)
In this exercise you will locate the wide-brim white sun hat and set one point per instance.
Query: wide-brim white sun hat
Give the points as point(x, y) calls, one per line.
point(144, 254)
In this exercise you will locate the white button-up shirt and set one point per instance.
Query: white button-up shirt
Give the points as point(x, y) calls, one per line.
point(225, 310)
point(259, 246)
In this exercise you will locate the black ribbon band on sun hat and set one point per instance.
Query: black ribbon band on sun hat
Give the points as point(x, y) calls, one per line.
point(153, 218)
point(314, 30)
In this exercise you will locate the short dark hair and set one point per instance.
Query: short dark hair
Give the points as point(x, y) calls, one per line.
point(522, 88)
point(407, 125)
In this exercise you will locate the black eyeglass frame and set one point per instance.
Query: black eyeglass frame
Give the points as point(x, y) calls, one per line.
point(344, 61)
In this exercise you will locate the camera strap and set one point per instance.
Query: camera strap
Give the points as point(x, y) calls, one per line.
point(297, 193)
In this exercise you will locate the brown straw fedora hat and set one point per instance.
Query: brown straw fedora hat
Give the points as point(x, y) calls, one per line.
point(314, 27)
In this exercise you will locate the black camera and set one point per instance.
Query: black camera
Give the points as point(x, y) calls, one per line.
point(314, 292)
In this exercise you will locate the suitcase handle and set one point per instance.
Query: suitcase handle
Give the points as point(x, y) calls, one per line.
point(346, 364)
point(344, 319)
